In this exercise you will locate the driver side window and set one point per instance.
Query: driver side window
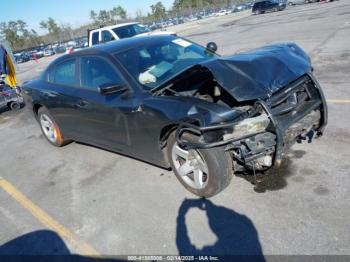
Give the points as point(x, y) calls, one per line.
point(96, 72)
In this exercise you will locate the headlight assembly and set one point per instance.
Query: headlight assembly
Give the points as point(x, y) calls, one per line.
point(248, 126)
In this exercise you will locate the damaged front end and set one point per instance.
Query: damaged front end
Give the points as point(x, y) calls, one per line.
point(258, 137)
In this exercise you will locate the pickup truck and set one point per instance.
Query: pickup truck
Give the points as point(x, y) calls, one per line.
point(120, 31)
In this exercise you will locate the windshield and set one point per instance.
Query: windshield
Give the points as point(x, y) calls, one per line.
point(130, 30)
point(155, 63)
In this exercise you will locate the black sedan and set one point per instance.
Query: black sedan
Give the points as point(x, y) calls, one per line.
point(260, 7)
point(21, 58)
point(178, 105)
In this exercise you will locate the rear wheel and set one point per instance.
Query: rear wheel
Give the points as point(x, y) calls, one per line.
point(204, 172)
point(50, 128)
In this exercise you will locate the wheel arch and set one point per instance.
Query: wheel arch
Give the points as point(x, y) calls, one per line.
point(169, 128)
point(163, 138)
point(36, 108)
point(164, 135)
point(165, 132)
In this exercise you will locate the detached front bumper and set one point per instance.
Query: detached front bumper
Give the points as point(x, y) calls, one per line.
point(296, 113)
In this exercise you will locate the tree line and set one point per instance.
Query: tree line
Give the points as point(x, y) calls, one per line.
point(20, 37)
point(17, 34)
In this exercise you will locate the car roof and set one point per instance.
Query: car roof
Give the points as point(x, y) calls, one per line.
point(114, 26)
point(117, 46)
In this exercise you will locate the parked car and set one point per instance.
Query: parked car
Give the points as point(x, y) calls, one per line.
point(39, 53)
point(33, 55)
point(240, 8)
point(21, 58)
point(120, 31)
point(249, 5)
point(173, 103)
point(296, 2)
point(222, 12)
point(48, 52)
point(268, 6)
point(59, 49)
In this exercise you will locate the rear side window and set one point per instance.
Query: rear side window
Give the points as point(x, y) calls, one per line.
point(95, 38)
point(96, 72)
point(124, 32)
point(130, 30)
point(64, 73)
point(107, 36)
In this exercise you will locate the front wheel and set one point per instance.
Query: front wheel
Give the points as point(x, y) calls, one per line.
point(204, 172)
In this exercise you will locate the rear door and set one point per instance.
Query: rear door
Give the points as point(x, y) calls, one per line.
point(60, 94)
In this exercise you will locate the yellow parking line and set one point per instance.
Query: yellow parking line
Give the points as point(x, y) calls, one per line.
point(338, 101)
point(48, 221)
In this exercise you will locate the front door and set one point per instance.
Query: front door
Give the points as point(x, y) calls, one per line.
point(103, 119)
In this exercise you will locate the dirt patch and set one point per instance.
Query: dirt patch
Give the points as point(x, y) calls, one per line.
point(321, 191)
point(54, 170)
point(298, 179)
point(307, 171)
point(198, 34)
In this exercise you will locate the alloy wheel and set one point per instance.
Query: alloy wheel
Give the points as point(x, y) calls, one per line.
point(48, 127)
point(190, 166)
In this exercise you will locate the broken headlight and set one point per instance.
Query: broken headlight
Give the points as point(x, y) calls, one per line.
point(248, 126)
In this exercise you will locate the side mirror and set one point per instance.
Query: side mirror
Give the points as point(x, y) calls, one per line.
point(109, 89)
point(212, 47)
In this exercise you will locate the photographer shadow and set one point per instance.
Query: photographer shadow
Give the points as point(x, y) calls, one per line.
point(236, 234)
point(43, 246)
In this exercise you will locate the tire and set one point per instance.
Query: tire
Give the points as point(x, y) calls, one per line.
point(50, 128)
point(14, 106)
point(216, 176)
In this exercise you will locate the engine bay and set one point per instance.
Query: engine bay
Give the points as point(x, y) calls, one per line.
point(199, 83)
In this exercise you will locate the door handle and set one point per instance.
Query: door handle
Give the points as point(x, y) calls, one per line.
point(82, 103)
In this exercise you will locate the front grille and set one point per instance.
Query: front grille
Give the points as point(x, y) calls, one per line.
point(296, 109)
point(292, 97)
point(293, 102)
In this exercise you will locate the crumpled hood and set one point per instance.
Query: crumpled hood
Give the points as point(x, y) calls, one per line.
point(260, 72)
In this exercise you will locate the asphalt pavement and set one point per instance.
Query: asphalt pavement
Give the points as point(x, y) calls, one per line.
point(84, 200)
